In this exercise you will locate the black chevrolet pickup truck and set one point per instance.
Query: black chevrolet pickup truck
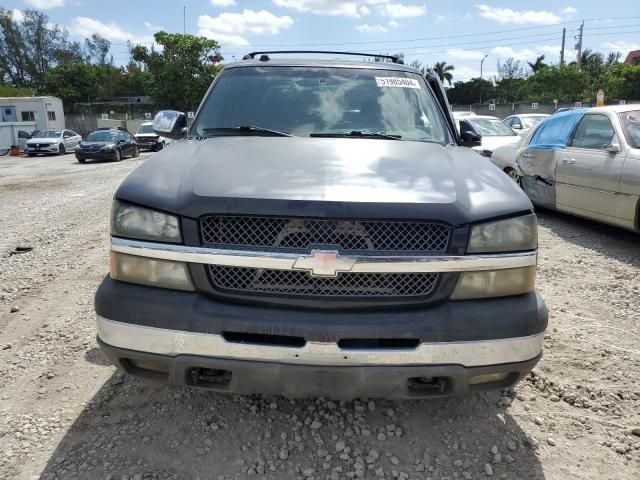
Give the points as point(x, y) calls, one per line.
point(322, 229)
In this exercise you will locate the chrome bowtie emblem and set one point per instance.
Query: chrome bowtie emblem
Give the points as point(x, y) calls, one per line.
point(324, 263)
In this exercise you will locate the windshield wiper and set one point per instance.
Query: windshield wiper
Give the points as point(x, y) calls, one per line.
point(357, 134)
point(247, 129)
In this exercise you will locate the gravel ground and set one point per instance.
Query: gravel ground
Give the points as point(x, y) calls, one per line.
point(66, 413)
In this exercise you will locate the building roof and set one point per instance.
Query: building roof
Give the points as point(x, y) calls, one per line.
point(633, 57)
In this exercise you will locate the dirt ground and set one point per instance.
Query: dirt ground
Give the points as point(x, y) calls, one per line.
point(66, 413)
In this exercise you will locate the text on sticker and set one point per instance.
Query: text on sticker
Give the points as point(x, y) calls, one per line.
point(397, 82)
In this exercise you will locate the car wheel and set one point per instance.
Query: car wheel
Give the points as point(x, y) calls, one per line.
point(117, 156)
point(31, 154)
point(136, 151)
point(513, 175)
point(159, 147)
point(61, 150)
point(80, 159)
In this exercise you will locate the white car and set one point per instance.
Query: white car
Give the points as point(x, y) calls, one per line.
point(148, 139)
point(52, 141)
point(524, 122)
point(494, 132)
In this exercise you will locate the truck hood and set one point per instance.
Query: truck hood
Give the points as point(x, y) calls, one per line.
point(297, 176)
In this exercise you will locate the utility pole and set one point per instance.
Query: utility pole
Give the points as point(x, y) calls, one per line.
point(579, 46)
point(564, 32)
point(184, 19)
point(481, 62)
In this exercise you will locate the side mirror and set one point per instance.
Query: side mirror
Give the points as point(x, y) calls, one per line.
point(516, 126)
point(170, 124)
point(470, 139)
point(612, 148)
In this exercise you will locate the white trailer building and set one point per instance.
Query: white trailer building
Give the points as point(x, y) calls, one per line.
point(47, 112)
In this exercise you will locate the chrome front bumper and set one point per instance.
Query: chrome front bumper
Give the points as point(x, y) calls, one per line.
point(173, 343)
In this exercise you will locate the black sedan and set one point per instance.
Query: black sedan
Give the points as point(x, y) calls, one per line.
point(107, 144)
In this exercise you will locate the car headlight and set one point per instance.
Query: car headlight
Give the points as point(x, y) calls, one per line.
point(495, 283)
point(111, 146)
point(131, 221)
point(510, 235)
point(150, 271)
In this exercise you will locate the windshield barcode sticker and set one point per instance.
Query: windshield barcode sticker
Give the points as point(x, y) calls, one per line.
point(397, 82)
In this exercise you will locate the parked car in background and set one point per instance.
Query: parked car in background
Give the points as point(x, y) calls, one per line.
point(51, 141)
point(587, 162)
point(506, 156)
point(148, 139)
point(524, 122)
point(107, 144)
point(494, 132)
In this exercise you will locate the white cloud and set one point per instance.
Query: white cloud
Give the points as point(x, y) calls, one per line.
point(507, 15)
point(17, 15)
point(233, 28)
point(622, 46)
point(346, 8)
point(393, 24)
point(399, 10)
point(461, 54)
point(84, 27)
point(366, 28)
point(223, 3)
point(466, 73)
point(153, 28)
point(45, 4)
point(525, 54)
point(569, 11)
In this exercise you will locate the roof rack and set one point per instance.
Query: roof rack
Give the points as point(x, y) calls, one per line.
point(264, 56)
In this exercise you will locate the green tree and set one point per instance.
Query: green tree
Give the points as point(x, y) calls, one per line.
point(622, 82)
point(11, 91)
point(181, 72)
point(76, 82)
point(30, 47)
point(538, 64)
point(96, 49)
point(511, 75)
point(443, 70)
point(464, 93)
point(563, 83)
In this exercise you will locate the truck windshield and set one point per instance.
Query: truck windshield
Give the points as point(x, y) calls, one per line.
point(322, 101)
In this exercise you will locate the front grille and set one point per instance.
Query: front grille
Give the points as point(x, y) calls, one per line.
point(301, 235)
point(300, 283)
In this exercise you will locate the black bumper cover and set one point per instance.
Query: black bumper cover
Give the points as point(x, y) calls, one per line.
point(446, 321)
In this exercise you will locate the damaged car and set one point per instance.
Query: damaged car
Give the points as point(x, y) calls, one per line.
point(586, 162)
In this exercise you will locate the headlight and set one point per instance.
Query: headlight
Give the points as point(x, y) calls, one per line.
point(495, 283)
point(111, 146)
point(511, 235)
point(141, 223)
point(150, 271)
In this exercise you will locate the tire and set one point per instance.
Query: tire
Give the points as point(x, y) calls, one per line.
point(61, 150)
point(136, 152)
point(80, 159)
point(117, 156)
point(159, 147)
point(31, 154)
point(513, 175)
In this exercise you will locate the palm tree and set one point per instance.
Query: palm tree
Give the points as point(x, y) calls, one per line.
point(538, 64)
point(444, 71)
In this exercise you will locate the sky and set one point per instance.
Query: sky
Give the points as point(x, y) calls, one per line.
point(460, 33)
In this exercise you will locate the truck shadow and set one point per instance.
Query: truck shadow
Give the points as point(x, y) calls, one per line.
point(138, 429)
point(615, 243)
